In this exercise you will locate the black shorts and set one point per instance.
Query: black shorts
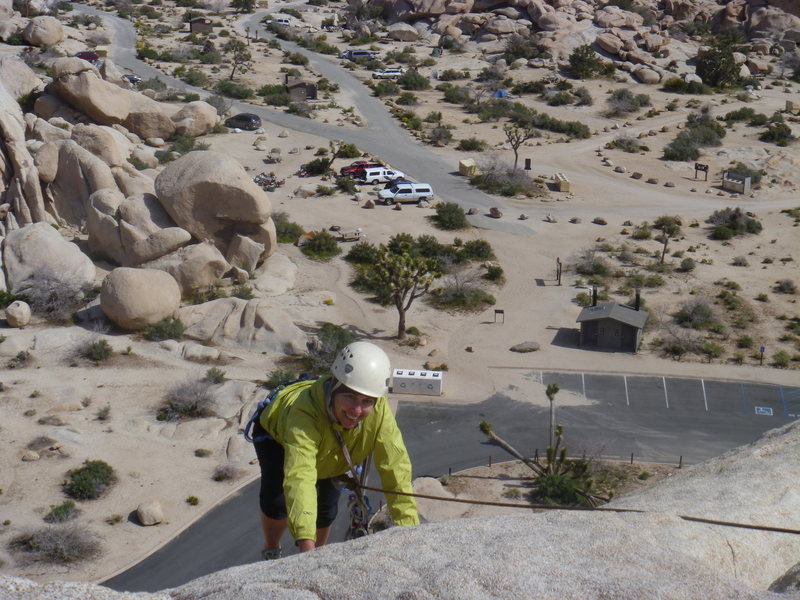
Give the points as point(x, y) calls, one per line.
point(271, 498)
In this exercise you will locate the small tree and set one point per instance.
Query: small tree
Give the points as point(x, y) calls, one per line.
point(717, 67)
point(584, 62)
point(243, 5)
point(404, 276)
point(669, 227)
point(517, 136)
point(239, 55)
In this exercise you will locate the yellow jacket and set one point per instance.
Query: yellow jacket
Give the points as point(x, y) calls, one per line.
point(298, 420)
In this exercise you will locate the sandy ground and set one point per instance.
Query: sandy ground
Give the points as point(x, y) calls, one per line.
point(157, 461)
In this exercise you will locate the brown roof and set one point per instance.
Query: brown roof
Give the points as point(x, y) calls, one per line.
point(613, 310)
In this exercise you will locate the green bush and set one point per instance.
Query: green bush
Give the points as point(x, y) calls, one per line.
point(98, 351)
point(348, 185)
point(454, 94)
point(450, 216)
point(362, 253)
point(781, 359)
point(274, 94)
point(321, 246)
point(231, 89)
point(472, 144)
point(495, 273)
point(295, 58)
point(287, 231)
point(745, 341)
point(195, 77)
point(440, 135)
point(696, 314)
point(584, 63)
point(347, 151)
point(412, 80)
point(62, 512)
point(90, 481)
point(452, 75)
point(243, 291)
point(779, 134)
point(464, 298)
point(386, 87)
point(687, 265)
point(722, 233)
point(325, 190)
point(168, 328)
point(477, 250)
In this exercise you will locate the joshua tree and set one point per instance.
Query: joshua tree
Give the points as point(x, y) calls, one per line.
point(669, 227)
point(517, 136)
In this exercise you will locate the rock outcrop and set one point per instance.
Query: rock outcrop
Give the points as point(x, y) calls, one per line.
point(136, 298)
point(43, 31)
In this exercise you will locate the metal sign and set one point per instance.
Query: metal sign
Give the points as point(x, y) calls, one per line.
point(764, 410)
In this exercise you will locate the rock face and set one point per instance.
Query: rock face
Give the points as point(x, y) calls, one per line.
point(38, 249)
point(195, 118)
point(195, 267)
point(137, 298)
point(211, 196)
point(43, 31)
point(403, 32)
point(654, 554)
point(17, 76)
point(251, 324)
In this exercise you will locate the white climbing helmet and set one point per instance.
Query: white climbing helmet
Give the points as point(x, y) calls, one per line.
point(364, 368)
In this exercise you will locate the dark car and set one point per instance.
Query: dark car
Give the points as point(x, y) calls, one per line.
point(357, 168)
point(89, 55)
point(132, 78)
point(392, 182)
point(247, 121)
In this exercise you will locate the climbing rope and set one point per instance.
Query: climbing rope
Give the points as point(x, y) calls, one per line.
point(583, 508)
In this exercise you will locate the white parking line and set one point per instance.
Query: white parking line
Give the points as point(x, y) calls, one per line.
point(583, 383)
point(705, 399)
point(627, 398)
point(666, 396)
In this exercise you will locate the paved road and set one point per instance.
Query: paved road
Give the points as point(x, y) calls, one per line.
point(655, 418)
point(382, 136)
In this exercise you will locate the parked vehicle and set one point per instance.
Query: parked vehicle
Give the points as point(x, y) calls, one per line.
point(268, 181)
point(357, 168)
point(132, 78)
point(89, 55)
point(358, 54)
point(247, 121)
point(390, 73)
point(406, 192)
point(380, 175)
point(278, 21)
point(393, 182)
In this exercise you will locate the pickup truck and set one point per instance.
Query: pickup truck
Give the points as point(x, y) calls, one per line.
point(390, 73)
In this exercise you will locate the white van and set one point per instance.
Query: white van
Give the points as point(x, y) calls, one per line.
point(406, 192)
point(380, 175)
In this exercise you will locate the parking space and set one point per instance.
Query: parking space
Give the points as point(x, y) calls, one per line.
point(606, 389)
point(647, 393)
point(686, 395)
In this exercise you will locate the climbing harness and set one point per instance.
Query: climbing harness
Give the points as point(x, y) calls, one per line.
point(266, 402)
point(357, 502)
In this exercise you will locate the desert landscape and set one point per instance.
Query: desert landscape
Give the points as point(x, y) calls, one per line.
point(88, 384)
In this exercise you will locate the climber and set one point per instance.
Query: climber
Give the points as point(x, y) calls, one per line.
point(314, 431)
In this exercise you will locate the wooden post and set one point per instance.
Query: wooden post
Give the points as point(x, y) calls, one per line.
point(490, 461)
point(558, 270)
point(631, 457)
point(680, 462)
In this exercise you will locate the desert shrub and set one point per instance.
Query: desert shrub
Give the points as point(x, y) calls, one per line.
point(325, 190)
point(452, 75)
point(454, 94)
point(740, 261)
point(7, 298)
point(687, 265)
point(321, 246)
point(622, 102)
point(58, 545)
point(559, 98)
point(287, 231)
point(781, 359)
point(585, 63)
point(589, 262)
point(642, 231)
point(56, 296)
point(98, 351)
point(226, 472)
point(701, 131)
point(386, 87)
point(278, 377)
point(722, 233)
point(477, 250)
point(188, 400)
point(717, 66)
point(301, 109)
point(220, 103)
point(318, 166)
point(745, 341)
point(168, 328)
point(348, 185)
point(412, 80)
point(711, 349)
point(461, 297)
point(295, 58)
point(779, 134)
point(472, 144)
point(103, 414)
point(274, 94)
point(494, 273)
point(407, 99)
point(695, 314)
point(231, 89)
point(192, 501)
point(243, 291)
point(450, 216)
point(583, 96)
point(90, 481)
point(523, 116)
point(786, 286)
point(347, 151)
point(626, 143)
point(326, 344)
point(737, 221)
point(679, 86)
point(529, 87)
point(215, 375)
point(518, 46)
point(61, 512)
point(440, 135)
point(362, 253)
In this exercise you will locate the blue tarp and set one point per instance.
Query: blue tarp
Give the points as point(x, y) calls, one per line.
point(501, 93)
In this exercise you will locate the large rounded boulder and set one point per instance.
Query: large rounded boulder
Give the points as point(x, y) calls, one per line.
point(211, 196)
point(137, 298)
point(43, 31)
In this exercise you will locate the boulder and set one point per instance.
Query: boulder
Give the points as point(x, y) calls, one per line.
point(194, 267)
point(609, 42)
point(613, 16)
point(38, 250)
point(646, 75)
point(43, 31)
point(195, 118)
point(150, 513)
point(132, 181)
point(156, 245)
point(101, 224)
point(211, 196)
point(403, 32)
point(306, 191)
point(100, 141)
point(18, 78)
point(768, 19)
point(244, 253)
point(109, 71)
point(18, 314)
point(44, 131)
point(525, 347)
point(495, 212)
point(252, 324)
point(136, 298)
point(6, 9)
point(758, 65)
point(500, 25)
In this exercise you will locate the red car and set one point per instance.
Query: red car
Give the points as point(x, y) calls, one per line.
point(89, 55)
point(357, 168)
